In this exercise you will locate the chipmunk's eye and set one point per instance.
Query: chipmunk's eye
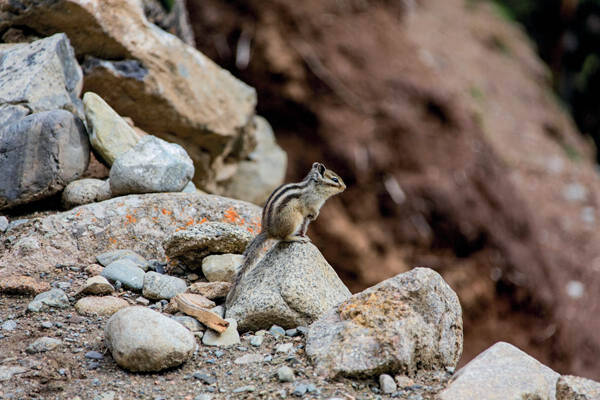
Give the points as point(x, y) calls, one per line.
point(335, 179)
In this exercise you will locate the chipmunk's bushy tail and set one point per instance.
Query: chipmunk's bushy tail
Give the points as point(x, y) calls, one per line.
point(250, 255)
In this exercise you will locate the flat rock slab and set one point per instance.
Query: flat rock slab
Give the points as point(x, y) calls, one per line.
point(141, 339)
point(109, 257)
point(406, 324)
point(502, 372)
point(190, 246)
point(570, 387)
point(292, 285)
point(228, 338)
point(137, 222)
point(100, 305)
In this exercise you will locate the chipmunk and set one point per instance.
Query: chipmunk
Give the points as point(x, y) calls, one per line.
point(289, 210)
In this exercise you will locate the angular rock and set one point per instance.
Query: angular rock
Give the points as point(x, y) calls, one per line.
point(228, 338)
point(502, 372)
point(55, 298)
point(285, 374)
point(158, 286)
point(387, 384)
point(110, 135)
point(22, 285)
point(137, 222)
point(411, 322)
point(84, 191)
point(43, 344)
point(292, 285)
point(41, 154)
point(211, 290)
point(95, 305)
point(151, 166)
point(141, 339)
point(125, 271)
point(41, 76)
point(222, 267)
point(263, 171)
point(577, 388)
point(97, 285)
point(190, 246)
point(108, 257)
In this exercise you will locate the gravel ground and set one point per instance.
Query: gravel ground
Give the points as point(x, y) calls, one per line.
point(70, 370)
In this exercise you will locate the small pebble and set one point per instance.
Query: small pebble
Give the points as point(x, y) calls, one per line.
point(47, 325)
point(219, 353)
point(285, 348)
point(291, 332)
point(204, 377)
point(261, 333)
point(276, 330)
point(387, 384)
point(285, 374)
point(300, 390)
point(142, 300)
point(268, 358)
point(94, 355)
point(256, 341)
point(242, 389)
point(9, 325)
point(303, 330)
point(204, 396)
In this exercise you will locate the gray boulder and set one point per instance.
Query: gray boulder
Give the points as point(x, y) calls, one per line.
point(141, 339)
point(221, 267)
point(84, 191)
point(411, 322)
point(570, 387)
point(41, 154)
point(502, 372)
point(292, 285)
point(126, 272)
point(41, 76)
point(190, 246)
point(152, 165)
point(158, 286)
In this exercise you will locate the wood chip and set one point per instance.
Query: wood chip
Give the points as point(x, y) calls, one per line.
point(188, 303)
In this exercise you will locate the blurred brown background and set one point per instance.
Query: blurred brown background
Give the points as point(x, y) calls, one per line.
point(458, 153)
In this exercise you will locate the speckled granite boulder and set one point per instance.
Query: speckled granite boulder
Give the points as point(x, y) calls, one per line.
point(411, 322)
point(141, 339)
point(570, 387)
point(292, 285)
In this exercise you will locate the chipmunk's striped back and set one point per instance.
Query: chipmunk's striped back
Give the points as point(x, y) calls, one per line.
point(280, 197)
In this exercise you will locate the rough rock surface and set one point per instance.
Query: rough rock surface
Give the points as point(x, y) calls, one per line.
point(502, 372)
point(190, 246)
point(263, 170)
point(167, 87)
point(158, 286)
point(210, 290)
point(109, 134)
point(150, 166)
point(576, 388)
point(221, 267)
point(137, 222)
point(41, 154)
point(84, 191)
point(144, 340)
point(292, 285)
point(39, 76)
point(96, 305)
point(406, 324)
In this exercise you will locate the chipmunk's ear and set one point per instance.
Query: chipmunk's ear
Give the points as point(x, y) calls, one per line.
point(319, 168)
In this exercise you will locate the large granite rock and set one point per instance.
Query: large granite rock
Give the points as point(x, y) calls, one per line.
point(502, 372)
point(150, 166)
point(190, 246)
point(136, 222)
point(292, 285)
point(166, 86)
point(140, 339)
point(263, 170)
point(39, 76)
point(411, 322)
point(39, 155)
point(110, 135)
